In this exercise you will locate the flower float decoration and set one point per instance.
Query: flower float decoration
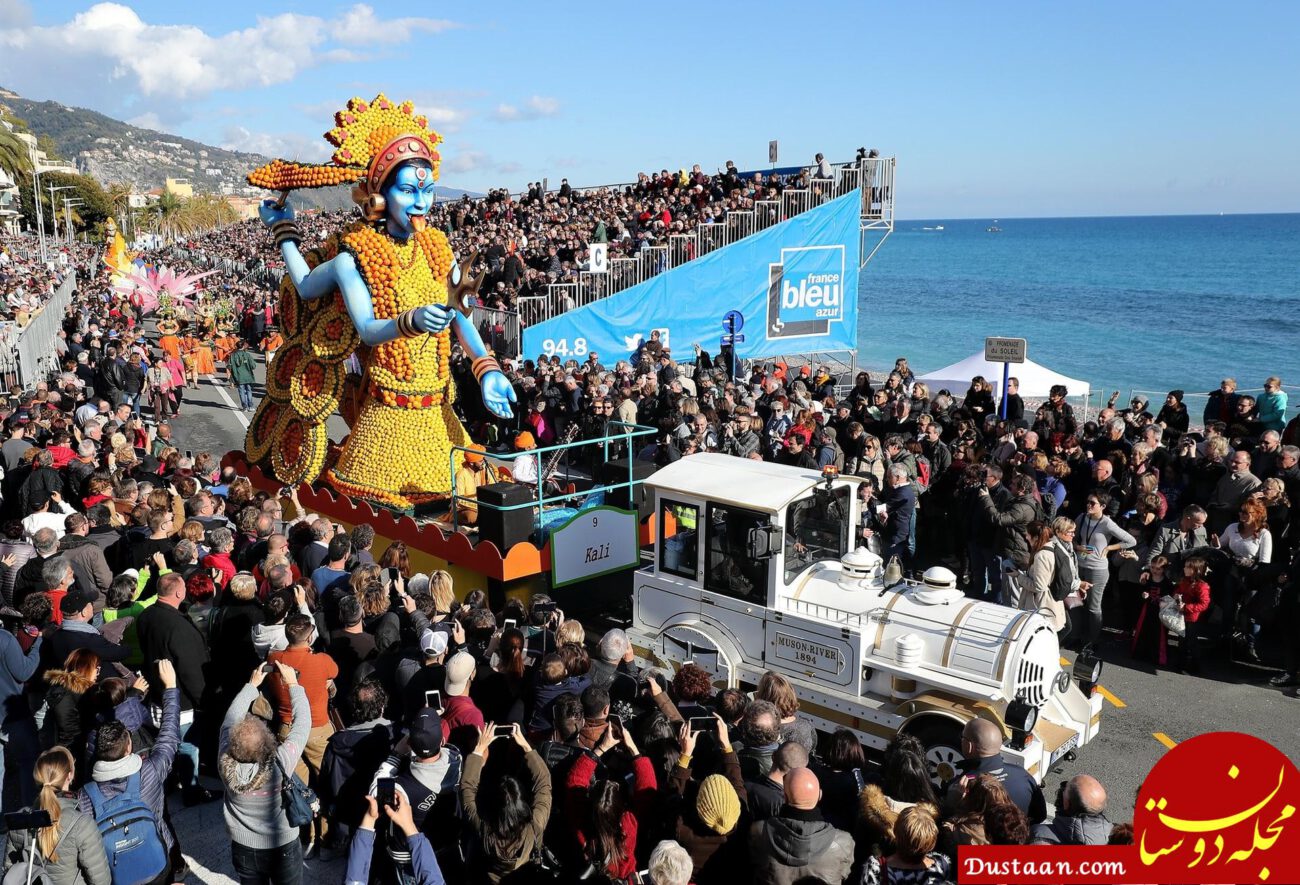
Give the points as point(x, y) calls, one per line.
point(159, 289)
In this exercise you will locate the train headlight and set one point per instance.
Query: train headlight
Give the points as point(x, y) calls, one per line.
point(1087, 672)
point(1021, 717)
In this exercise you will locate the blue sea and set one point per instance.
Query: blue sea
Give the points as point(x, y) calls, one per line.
point(1152, 303)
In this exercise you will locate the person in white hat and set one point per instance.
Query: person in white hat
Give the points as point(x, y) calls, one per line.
point(461, 718)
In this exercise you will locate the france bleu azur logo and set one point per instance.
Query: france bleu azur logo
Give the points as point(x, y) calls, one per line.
point(806, 291)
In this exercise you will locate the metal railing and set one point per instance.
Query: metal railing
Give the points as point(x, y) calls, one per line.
point(27, 353)
point(624, 439)
point(499, 328)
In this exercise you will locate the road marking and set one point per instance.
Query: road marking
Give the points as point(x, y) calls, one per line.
point(1165, 739)
point(239, 413)
point(1105, 693)
point(1101, 690)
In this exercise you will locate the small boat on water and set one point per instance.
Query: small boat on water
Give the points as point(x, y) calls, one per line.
point(937, 227)
point(993, 230)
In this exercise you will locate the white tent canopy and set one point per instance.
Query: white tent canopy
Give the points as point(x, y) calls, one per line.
point(1035, 381)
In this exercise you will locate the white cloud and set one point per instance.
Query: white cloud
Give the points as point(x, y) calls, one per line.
point(288, 146)
point(122, 56)
point(535, 108)
point(360, 25)
point(464, 159)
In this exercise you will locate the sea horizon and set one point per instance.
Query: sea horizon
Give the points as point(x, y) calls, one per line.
point(901, 220)
point(1144, 302)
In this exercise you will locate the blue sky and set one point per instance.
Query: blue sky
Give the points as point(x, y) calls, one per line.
point(993, 109)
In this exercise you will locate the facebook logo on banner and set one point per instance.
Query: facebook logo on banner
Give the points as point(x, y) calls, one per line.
point(806, 291)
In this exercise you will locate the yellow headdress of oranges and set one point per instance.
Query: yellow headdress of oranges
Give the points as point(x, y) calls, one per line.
point(371, 138)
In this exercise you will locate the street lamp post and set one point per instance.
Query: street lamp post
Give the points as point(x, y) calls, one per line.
point(54, 216)
point(68, 203)
point(36, 201)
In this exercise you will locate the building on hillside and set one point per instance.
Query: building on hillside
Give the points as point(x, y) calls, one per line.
point(180, 187)
point(245, 206)
point(41, 160)
point(8, 203)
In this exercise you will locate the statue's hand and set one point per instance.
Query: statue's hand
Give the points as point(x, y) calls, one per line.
point(432, 318)
point(498, 394)
point(270, 213)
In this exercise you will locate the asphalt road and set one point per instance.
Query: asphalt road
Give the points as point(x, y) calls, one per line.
point(1146, 710)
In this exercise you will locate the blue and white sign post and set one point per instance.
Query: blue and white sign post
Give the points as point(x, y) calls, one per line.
point(1005, 351)
point(732, 323)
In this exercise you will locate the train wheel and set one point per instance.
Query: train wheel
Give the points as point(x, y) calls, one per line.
point(942, 742)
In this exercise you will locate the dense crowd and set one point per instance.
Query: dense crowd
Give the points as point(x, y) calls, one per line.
point(1039, 509)
point(168, 627)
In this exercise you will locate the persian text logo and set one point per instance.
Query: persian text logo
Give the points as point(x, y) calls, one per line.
point(806, 291)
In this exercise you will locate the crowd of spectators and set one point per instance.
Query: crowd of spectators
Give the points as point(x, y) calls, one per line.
point(170, 627)
point(1039, 509)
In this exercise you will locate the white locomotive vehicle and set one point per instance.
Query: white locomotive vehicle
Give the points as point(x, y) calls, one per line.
point(756, 568)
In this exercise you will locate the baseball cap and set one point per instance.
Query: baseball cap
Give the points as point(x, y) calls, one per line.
point(75, 600)
point(433, 642)
point(425, 736)
point(459, 670)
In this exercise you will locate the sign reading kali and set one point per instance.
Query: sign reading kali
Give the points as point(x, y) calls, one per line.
point(594, 542)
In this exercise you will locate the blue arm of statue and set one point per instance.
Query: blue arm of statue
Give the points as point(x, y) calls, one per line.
point(341, 273)
point(498, 392)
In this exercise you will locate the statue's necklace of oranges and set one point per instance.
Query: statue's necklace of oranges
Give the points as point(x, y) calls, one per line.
point(398, 282)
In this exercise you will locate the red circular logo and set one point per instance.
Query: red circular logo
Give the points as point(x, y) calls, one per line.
point(1220, 807)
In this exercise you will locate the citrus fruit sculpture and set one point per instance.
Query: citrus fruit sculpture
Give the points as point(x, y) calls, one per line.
point(387, 289)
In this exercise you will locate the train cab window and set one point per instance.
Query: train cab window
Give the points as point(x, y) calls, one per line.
point(679, 547)
point(728, 568)
point(817, 529)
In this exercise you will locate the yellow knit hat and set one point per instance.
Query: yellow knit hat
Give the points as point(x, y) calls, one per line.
point(717, 804)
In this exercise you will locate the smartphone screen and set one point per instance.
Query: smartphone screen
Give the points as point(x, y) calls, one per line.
point(433, 699)
point(189, 454)
point(386, 792)
point(702, 723)
point(394, 574)
point(510, 624)
point(615, 723)
point(503, 731)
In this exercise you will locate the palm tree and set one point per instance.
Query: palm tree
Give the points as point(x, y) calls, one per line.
point(165, 214)
point(15, 157)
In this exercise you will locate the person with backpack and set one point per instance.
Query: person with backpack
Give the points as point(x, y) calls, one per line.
point(67, 852)
point(126, 794)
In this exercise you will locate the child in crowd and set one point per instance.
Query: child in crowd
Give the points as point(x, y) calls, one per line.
point(1193, 599)
point(1150, 639)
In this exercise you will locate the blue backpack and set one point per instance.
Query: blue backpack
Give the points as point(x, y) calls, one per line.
point(130, 832)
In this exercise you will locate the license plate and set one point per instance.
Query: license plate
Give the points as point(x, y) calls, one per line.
point(1063, 749)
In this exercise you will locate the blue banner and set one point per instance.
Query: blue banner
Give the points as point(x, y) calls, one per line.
point(794, 286)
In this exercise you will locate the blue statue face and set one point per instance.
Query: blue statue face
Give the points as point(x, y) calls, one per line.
point(408, 196)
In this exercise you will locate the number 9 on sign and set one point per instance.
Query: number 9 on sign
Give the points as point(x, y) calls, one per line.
point(551, 347)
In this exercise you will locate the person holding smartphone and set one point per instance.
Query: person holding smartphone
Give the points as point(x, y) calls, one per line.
point(604, 818)
point(712, 814)
point(505, 845)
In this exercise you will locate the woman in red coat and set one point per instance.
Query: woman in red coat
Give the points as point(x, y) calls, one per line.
point(604, 820)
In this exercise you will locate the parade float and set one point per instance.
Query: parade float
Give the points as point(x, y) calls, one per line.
point(388, 291)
